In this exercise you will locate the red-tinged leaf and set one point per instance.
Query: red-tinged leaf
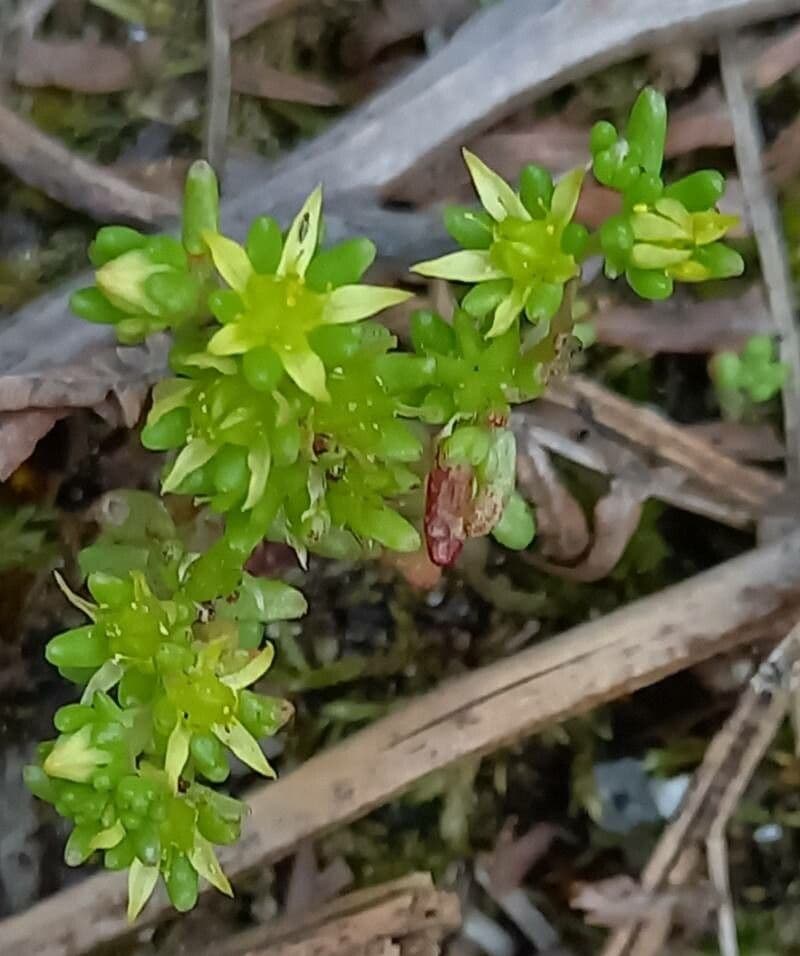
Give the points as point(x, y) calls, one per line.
point(448, 500)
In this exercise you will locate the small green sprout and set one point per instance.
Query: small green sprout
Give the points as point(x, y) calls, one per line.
point(748, 379)
point(665, 234)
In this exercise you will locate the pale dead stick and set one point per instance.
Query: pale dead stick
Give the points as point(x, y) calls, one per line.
point(727, 768)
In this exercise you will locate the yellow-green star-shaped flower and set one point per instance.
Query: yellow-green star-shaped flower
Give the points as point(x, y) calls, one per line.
point(280, 310)
point(668, 237)
point(525, 251)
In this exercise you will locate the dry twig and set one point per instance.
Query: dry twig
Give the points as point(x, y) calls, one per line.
point(78, 183)
point(718, 785)
point(391, 912)
point(774, 266)
point(218, 33)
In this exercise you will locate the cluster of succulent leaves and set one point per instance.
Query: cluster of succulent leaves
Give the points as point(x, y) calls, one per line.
point(164, 700)
point(664, 233)
point(295, 416)
point(754, 376)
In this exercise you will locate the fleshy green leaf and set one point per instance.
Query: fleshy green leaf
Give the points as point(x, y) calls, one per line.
point(204, 860)
point(468, 265)
point(506, 312)
point(302, 238)
point(351, 303)
point(89, 609)
point(496, 196)
point(265, 600)
point(192, 457)
point(141, 883)
point(177, 753)
point(103, 679)
point(565, 196)
point(230, 260)
point(245, 746)
point(252, 671)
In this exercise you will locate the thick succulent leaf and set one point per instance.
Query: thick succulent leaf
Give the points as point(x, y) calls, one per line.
point(351, 303)
point(141, 883)
point(177, 753)
point(192, 457)
point(230, 260)
point(265, 600)
point(239, 740)
point(468, 265)
point(252, 671)
point(496, 196)
point(204, 860)
point(302, 238)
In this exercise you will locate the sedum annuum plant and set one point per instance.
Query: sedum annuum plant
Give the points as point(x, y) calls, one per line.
point(294, 415)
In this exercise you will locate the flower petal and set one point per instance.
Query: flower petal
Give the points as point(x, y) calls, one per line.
point(177, 753)
point(710, 226)
point(192, 457)
point(468, 265)
point(108, 838)
point(675, 210)
point(689, 271)
point(301, 240)
point(245, 746)
point(496, 196)
point(650, 227)
point(506, 312)
point(259, 461)
point(204, 860)
point(168, 394)
point(351, 303)
point(226, 366)
point(141, 883)
point(306, 369)
point(256, 667)
point(103, 679)
point(566, 196)
point(230, 260)
point(89, 609)
point(645, 256)
point(231, 340)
